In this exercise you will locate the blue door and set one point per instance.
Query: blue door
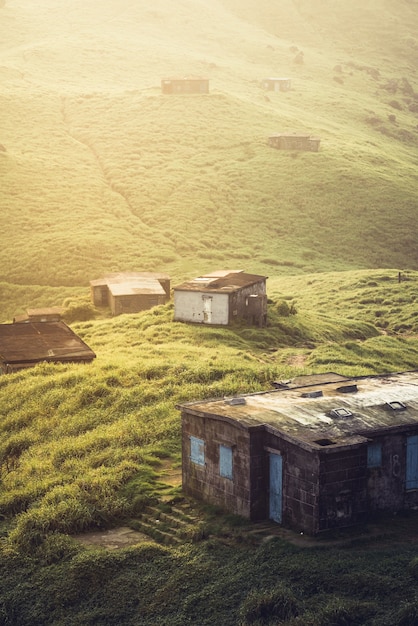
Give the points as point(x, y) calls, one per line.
point(412, 462)
point(276, 481)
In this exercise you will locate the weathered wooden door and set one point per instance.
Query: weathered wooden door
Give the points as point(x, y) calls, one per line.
point(207, 309)
point(276, 483)
point(412, 462)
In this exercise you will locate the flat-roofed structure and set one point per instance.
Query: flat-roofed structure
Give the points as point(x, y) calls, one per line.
point(185, 85)
point(314, 454)
point(25, 345)
point(221, 298)
point(130, 292)
point(294, 141)
point(276, 84)
point(45, 314)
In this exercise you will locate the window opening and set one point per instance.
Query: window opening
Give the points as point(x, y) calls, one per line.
point(197, 451)
point(374, 455)
point(225, 461)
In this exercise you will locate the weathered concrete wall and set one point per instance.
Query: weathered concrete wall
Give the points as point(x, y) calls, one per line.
point(386, 484)
point(204, 481)
point(241, 305)
point(134, 303)
point(342, 487)
point(100, 295)
point(300, 484)
point(201, 308)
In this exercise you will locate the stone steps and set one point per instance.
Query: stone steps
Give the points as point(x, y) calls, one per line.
point(169, 524)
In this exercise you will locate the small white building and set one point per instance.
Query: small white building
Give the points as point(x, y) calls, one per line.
point(221, 298)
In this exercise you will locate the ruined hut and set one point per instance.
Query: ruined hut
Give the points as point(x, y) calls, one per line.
point(222, 298)
point(294, 141)
point(186, 84)
point(130, 292)
point(25, 345)
point(47, 314)
point(276, 84)
point(318, 453)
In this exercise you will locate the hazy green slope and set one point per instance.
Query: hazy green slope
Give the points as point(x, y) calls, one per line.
point(104, 173)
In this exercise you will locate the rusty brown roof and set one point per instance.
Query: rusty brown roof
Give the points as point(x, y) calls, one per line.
point(228, 283)
point(344, 412)
point(34, 342)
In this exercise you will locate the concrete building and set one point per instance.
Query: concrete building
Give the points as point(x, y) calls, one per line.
point(130, 292)
point(294, 141)
point(319, 452)
point(185, 85)
point(221, 298)
point(276, 84)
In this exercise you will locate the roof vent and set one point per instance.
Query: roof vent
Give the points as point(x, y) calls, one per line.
point(347, 389)
point(234, 401)
point(312, 394)
point(396, 405)
point(341, 412)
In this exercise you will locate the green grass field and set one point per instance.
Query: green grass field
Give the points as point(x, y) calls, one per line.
point(100, 172)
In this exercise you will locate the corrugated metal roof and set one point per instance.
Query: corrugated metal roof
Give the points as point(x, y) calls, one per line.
point(126, 276)
point(135, 286)
point(41, 341)
point(229, 282)
point(306, 418)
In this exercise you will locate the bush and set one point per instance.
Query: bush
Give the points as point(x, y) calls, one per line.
point(267, 607)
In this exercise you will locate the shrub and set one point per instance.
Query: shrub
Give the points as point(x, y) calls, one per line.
point(267, 607)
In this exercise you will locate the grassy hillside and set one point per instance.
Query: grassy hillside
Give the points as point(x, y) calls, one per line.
point(100, 172)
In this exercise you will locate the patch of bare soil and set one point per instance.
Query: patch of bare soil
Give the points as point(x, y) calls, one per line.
point(297, 360)
point(114, 539)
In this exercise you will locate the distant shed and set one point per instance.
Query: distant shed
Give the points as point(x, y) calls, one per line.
point(130, 292)
point(49, 314)
point(25, 345)
point(222, 297)
point(294, 141)
point(276, 84)
point(186, 84)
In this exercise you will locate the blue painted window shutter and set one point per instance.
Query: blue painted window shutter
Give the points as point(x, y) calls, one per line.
point(374, 455)
point(225, 461)
point(197, 451)
point(412, 462)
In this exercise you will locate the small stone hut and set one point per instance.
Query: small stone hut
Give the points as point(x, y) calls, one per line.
point(276, 84)
point(185, 85)
point(222, 298)
point(130, 292)
point(317, 453)
point(294, 141)
point(46, 314)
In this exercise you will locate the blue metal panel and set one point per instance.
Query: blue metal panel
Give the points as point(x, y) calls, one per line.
point(412, 462)
point(225, 461)
point(197, 451)
point(374, 455)
point(276, 481)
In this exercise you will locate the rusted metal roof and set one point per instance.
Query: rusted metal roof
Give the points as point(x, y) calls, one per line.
point(344, 412)
point(228, 283)
point(22, 345)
